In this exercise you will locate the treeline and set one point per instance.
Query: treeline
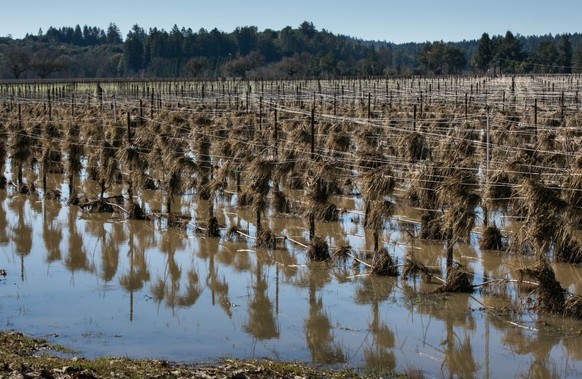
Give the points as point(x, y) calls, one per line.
point(91, 52)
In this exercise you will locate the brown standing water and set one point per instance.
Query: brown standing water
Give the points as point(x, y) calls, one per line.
point(103, 284)
point(107, 286)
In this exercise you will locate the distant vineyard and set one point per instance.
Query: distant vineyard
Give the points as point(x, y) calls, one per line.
point(463, 152)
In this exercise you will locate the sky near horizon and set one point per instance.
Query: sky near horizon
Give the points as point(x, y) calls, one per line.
point(397, 21)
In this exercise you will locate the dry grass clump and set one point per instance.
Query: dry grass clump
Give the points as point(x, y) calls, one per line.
point(280, 202)
point(318, 250)
point(573, 307)
point(566, 248)
point(414, 147)
point(432, 227)
point(458, 280)
point(52, 194)
point(551, 296)
point(98, 206)
point(376, 212)
point(212, 227)
point(412, 266)
point(544, 209)
point(383, 264)
point(135, 212)
point(324, 212)
point(342, 252)
point(233, 233)
point(266, 238)
point(499, 189)
point(492, 239)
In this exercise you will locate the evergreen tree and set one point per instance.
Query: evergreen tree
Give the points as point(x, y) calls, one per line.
point(565, 54)
point(134, 49)
point(509, 54)
point(484, 55)
point(113, 35)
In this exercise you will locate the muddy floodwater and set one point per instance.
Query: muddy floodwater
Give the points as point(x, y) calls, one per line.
point(104, 285)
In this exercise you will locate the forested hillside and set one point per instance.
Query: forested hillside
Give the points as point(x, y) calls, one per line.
point(305, 51)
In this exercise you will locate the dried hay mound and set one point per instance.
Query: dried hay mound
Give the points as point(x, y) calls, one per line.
point(567, 248)
point(378, 182)
point(499, 189)
point(178, 221)
point(212, 227)
point(376, 212)
point(245, 198)
point(234, 233)
point(412, 266)
point(458, 280)
point(342, 252)
point(266, 238)
point(280, 202)
point(135, 212)
point(550, 294)
point(573, 307)
point(25, 189)
point(370, 159)
point(327, 212)
point(492, 239)
point(545, 211)
point(422, 191)
point(318, 250)
point(74, 200)
point(53, 194)
point(415, 147)
point(98, 206)
point(431, 226)
point(383, 264)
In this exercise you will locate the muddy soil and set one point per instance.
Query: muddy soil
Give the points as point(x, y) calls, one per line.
point(25, 357)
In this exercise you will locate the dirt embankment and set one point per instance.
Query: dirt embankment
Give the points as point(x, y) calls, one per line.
point(24, 357)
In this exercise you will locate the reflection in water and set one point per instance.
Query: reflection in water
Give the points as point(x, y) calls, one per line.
point(538, 346)
point(138, 274)
point(4, 234)
point(22, 231)
point(111, 246)
point(52, 233)
point(374, 290)
point(261, 323)
point(167, 288)
point(217, 284)
point(318, 328)
point(76, 259)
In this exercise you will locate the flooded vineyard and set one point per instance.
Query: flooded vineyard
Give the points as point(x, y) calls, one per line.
point(427, 226)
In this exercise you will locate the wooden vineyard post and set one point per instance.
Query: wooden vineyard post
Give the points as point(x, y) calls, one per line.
point(487, 135)
point(114, 110)
point(536, 116)
point(152, 106)
point(312, 123)
point(260, 112)
point(50, 115)
point(141, 120)
point(414, 119)
point(562, 108)
point(128, 129)
point(276, 136)
point(311, 214)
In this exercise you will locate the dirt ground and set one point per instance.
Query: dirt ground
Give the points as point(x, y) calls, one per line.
point(24, 357)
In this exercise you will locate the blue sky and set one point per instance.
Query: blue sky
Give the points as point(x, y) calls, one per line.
point(390, 20)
